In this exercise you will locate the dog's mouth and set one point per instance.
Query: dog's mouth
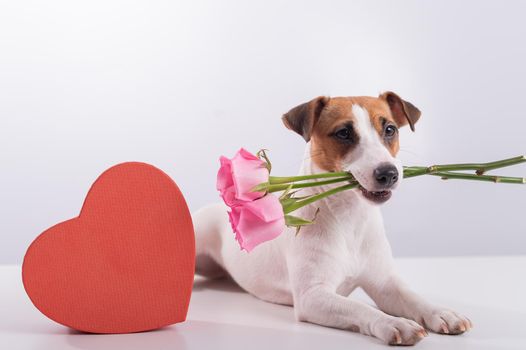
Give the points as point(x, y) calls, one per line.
point(376, 196)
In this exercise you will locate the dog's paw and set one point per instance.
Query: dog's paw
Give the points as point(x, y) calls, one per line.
point(399, 331)
point(446, 322)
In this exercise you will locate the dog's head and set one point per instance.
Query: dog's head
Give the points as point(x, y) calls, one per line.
point(358, 135)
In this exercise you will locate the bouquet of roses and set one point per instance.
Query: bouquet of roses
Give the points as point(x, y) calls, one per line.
point(257, 215)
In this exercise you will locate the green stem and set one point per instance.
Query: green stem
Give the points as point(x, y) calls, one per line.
point(500, 164)
point(287, 179)
point(411, 171)
point(480, 168)
point(283, 187)
point(445, 171)
point(446, 175)
point(301, 203)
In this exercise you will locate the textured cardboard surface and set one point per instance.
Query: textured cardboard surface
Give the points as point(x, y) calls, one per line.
point(125, 264)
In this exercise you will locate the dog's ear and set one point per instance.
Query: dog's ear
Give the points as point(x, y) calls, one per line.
point(403, 112)
point(303, 118)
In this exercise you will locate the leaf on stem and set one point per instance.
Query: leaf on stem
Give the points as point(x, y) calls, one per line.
point(294, 221)
point(263, 155)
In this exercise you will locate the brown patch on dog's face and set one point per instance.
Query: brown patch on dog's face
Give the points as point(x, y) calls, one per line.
point(336, 133)
point(383, 121)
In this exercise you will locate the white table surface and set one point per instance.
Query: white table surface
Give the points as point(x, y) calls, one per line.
point(491, 291)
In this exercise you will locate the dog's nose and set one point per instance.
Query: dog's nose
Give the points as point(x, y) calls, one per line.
point(386, 175)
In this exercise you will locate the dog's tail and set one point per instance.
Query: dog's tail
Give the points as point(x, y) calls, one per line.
point(208, 242)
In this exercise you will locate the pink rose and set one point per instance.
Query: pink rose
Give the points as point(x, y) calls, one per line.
point(257, 221)
point(239, 175)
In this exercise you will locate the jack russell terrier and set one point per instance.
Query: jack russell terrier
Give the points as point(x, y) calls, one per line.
point(346, 247)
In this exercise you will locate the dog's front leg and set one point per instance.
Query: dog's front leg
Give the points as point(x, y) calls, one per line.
point(321, 304)
point(394, 297)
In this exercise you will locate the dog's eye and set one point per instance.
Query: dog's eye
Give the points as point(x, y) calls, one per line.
point(343, 134)
point(390, 131)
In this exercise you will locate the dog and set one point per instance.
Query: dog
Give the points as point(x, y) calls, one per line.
point(346, 247)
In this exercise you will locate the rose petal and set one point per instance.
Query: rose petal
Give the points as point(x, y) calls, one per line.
point(253, 231)
point(224, 175)
point(246, 174)
point(233, 217)
point(267, 208)
point(247, 155)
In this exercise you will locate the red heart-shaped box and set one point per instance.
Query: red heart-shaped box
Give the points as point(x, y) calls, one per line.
point(125, 264)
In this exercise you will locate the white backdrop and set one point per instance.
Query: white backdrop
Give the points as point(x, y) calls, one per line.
point(85, 85)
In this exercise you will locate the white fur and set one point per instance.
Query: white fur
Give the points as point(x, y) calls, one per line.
point(369, 153)
point(317, 269)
